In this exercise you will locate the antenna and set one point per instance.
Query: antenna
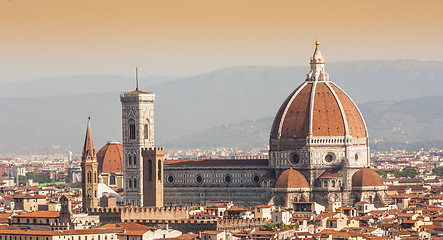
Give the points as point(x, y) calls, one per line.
point(136, 78)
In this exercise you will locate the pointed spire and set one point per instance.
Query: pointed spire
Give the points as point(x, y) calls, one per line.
point(88, 148)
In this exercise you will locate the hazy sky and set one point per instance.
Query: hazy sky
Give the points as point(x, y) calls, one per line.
point(184, 37)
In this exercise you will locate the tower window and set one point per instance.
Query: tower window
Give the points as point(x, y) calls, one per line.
point(135, 159)
point(89, 177)
point(131, 129)
point(146, 133)
point(159, 170)
point(130, 183)
point(130, 160)
point(149, 170)
point(135, 183)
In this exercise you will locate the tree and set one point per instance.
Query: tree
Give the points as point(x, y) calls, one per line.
point(39, 177)
point(406, 172)
point(438, 171)
point(382, 172)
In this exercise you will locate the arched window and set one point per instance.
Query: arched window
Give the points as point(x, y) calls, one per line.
point(89, 177)
point(135, 159)
point(135, 183)
point(131, 129)
point(130, 160)
point(159, 170)
point(333, 183)
point(370, 199)
point(325, 183)
point(149, 170)
point(146, 131)
point(112, 180)
point(129, 183)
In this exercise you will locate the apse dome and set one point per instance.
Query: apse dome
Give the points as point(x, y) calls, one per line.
point(291, 178)
point(367, 177)
point(318, 108)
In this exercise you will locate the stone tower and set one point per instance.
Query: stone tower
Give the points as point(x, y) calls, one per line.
point(153, 176)
point(89, 172)
point(137, 133)
point(66, 209)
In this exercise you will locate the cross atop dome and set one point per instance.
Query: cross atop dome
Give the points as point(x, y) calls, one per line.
point(317, 66)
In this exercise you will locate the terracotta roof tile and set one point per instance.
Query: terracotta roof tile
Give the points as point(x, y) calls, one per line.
point(291, 178)
point(39, 214)
point(110, 158)
point(366, 177)
point(137, 91)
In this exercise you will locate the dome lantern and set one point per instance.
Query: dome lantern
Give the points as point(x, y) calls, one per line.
point(317, 66)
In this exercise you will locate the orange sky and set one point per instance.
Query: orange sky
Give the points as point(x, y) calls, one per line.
point(182, 37)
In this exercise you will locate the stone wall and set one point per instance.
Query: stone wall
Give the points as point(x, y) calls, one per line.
point(115, 215)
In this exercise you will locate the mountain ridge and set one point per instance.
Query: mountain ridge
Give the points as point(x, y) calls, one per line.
point(187, 105)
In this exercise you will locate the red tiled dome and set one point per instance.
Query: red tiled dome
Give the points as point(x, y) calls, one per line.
point(110, 158)
point(318, 107)
point(291, 179)
point(323, 104)
point(366, 177)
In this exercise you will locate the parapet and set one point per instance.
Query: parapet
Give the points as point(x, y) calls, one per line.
point(156, 151)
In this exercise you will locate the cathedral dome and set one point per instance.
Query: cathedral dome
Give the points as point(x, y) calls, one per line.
point(318, 108)
point(291, 178)
point(366, 177)
point(110, 158)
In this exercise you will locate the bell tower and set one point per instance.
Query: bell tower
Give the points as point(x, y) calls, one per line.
point(137, 133)
point(89, 172)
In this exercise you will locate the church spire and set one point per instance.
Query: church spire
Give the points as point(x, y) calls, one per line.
point(317, 66)
point(88, 148)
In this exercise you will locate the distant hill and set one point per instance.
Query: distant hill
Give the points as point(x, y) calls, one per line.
point(412, 123)
point(54, 110)
point(79, 84)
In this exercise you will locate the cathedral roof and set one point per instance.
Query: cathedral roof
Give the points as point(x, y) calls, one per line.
point(110, 158)
point(291, 178)
point(318, 107)
point(215, 162)
point(330, 174)
point(366, 177)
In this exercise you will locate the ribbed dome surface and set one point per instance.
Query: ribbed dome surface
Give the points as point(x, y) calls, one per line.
point(291, 179)
point(366, 177)
point(110, 158)
point(333, 113)
point(318, 108)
